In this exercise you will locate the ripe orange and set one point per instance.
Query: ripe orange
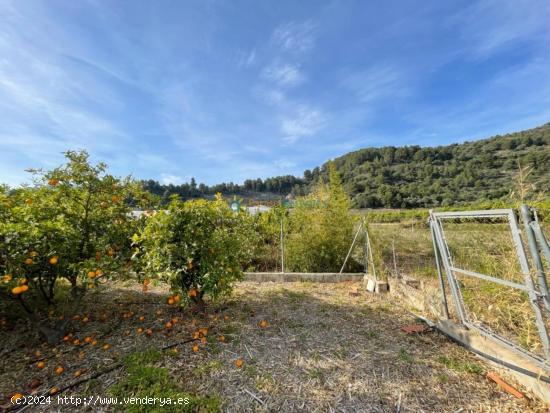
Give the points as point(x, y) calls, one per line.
point(94, 343)
point(54, 260)
point(195, 348)
point(53, 181)
point(28, 261)
point(7, 278)
point(88, 339)
point(59, 370)
point(142, 318)
point(41, 365)
point(192, 292)
point(91, 274)
point(77, 373)
point(16, 290)
point(16, 397)
point(170, 301)
point(239, 363)
point(203, 340)
point(98, 272)
point(148, 332)
point(37, 353)
point(76, 342)
point(24, 288)
point(106, 347)
point(168, 325)
point(221, 338)
point(140, 330)
point(264, 324)
point(54, 390)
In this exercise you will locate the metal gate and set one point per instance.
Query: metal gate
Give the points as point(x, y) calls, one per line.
point(537, 294)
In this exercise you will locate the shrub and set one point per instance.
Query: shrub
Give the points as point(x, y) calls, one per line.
point(320, 228)
point(267, 248)
point(72, 225)
point(198, 247)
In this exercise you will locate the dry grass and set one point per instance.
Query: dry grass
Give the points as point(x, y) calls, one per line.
point(482, 247)
point(323, 350)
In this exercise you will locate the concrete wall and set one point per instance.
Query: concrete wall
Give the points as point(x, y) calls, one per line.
point(329, 277)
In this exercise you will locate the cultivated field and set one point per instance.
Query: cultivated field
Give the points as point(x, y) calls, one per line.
point(321, 349)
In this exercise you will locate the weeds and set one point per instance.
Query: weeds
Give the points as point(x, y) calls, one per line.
point(145, 380)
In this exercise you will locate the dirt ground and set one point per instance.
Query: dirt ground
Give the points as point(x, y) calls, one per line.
point(322, 350)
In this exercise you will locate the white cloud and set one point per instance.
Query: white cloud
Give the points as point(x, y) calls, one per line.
point(304, 122)
point(284, 164)
point(168, 179)
point(376, 83)
point(245, 59)
point(284, 75)
point(295, 37)
point(490, 26)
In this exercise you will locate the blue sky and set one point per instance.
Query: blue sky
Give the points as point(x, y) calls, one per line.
point(229, 90)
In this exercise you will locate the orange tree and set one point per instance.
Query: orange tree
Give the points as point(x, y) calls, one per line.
point(66, 234)
point(199, 247)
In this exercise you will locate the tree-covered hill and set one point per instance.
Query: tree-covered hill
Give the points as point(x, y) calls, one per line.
point(411, 176)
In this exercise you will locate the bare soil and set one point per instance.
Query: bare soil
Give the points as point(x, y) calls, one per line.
point(323, 349)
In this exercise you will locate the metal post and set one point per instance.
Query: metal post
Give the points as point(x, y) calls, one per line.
point(282, 248)
point(366, 252)
point(529, 283)
point(395, 272)
point(447, 264)
point(444, 303)
point(533, 248)
point(541, 240)
point(351, 248)
point(371, 256)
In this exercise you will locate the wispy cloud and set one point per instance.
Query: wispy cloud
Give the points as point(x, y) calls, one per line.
point(285, 75)
point(246, 59)
point(304, 122)
point(295, 37)
point(491, 26)
point(168, 179)
point(376, 83)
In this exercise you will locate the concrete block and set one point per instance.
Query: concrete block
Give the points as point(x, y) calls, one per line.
point(375, 286)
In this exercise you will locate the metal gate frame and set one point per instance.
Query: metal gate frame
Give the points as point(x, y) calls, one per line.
point(444, 262)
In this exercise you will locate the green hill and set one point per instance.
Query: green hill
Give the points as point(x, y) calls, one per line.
point(411, 176)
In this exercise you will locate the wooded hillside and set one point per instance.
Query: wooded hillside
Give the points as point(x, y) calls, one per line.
point(412, 176)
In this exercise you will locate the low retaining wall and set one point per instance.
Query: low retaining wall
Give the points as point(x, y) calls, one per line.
point(479, 343)
point(325, 277)
point(424, 298)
